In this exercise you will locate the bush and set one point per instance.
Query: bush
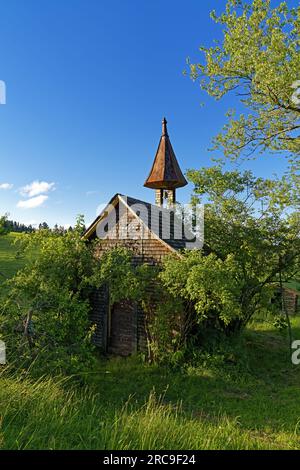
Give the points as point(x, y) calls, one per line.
point(45, 314)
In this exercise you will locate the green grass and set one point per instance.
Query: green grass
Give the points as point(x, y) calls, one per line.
point(43, 415)
point(10, 262)
point(244, 397)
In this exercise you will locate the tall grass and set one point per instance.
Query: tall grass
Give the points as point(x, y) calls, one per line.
point(245, 396)
point(54, 414)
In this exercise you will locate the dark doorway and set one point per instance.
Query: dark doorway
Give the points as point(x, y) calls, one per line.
point(122, 329)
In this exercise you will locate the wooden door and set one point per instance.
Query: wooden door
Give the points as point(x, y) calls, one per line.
point(122, 332)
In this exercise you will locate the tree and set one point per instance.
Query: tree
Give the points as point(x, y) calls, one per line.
point(47, 301)
point(13, 226)
point(43, 226)
point(165, 318)
point(251, 243)
point(3, 224)
point(259, 60)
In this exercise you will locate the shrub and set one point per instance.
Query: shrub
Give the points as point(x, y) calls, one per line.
point(45, 315)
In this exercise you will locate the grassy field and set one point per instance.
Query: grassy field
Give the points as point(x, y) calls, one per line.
point(246, 396)
point(10, 262)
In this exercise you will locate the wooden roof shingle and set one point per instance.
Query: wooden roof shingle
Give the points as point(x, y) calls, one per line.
point(165, 172)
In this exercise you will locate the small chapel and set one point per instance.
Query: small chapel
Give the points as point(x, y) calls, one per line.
point(149, 232)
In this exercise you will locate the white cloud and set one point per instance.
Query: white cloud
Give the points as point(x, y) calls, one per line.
point(37, 187)
point(6, 186)
point(33, 202)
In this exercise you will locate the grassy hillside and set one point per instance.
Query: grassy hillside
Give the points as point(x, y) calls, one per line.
point(244, 396)
point(10, 262)
point(48, 417)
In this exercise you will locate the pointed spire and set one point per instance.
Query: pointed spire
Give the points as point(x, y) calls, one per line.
point(165, 172)
point(164, 127)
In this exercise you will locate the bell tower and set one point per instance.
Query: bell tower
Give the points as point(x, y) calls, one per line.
point(165, 175)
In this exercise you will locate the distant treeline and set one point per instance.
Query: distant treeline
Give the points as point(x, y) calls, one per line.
point(13, 226)
point(7, 226)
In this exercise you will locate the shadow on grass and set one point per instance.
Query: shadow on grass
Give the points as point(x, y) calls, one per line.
point(259, 386)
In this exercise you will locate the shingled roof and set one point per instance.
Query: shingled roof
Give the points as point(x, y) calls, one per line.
point(144, 211)
point(165, 172)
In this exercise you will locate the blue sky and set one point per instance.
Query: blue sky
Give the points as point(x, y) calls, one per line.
point(88, 82)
